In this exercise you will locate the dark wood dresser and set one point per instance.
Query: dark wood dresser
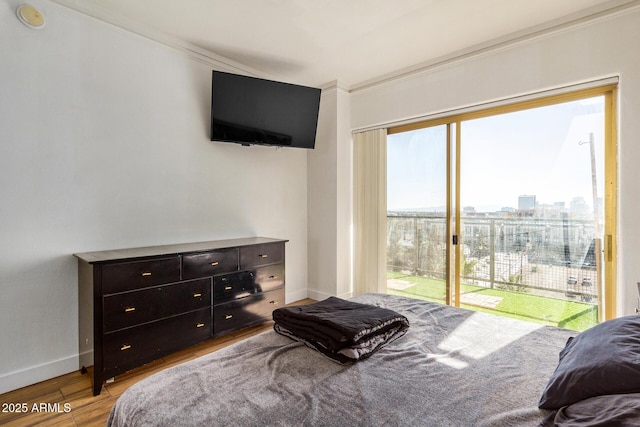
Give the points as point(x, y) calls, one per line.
point(140, 304)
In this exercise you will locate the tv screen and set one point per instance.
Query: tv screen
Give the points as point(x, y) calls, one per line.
point(249, 110)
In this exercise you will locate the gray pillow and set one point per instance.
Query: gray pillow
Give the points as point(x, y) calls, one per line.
point(620, 410)
point(604, 359)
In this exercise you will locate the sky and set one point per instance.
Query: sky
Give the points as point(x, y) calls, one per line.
point(531, 152)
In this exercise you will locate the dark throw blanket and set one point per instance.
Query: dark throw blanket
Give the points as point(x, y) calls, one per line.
point(344, 331)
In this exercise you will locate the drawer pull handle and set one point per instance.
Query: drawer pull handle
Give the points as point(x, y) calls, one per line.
point(129, 309)
point(214, 263)
point(199, 325)
point(197, 295)
point(228, 316)
point(263, 255)
point(146, 273)
point(125, 347)
point(228, 288)
point(273, 302)
point(273, 277)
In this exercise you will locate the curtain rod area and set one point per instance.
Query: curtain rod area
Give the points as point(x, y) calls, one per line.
point(611, 80)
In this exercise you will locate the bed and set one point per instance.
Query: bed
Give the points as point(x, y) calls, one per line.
point(452, 367)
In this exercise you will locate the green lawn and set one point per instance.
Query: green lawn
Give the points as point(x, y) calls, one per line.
point(548, 311)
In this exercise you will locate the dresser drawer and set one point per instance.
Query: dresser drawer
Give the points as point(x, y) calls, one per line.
point(257, 255)
point(263, 307)
point(209, 263)
point(129, 348)
point(129, 276)
point(269, 278)
point(246, 312)
point(232, 316)
point(132, 308)
point(242, 284)
point(233, 286)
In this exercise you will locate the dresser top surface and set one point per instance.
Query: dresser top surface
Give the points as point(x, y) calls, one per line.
point(168, 250)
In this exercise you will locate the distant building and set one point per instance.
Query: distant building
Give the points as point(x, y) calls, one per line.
point(555, 210)
point(526, 202)
point(579, 208)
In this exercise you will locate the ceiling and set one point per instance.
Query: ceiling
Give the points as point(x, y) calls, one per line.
point(353, 42)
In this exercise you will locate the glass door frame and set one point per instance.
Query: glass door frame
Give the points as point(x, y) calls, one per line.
point(607, 309)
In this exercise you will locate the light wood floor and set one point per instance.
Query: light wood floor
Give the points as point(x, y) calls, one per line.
point(75, 389)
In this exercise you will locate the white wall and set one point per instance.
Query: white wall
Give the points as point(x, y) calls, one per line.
point(322, 201)
point(329, 199)
point(104, 144)
point(605, 47)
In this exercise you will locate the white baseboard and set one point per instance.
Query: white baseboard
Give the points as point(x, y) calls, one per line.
point(317, 295)
point(86, 359)
point(296, 296)
point(346, 295)
point(34, 374)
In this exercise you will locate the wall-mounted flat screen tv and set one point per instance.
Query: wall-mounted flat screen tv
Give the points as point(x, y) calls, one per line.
point(248, 110)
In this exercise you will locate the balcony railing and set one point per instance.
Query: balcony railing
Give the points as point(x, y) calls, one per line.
point(550, 257)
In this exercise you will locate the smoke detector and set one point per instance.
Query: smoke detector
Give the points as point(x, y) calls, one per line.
point(30, 16)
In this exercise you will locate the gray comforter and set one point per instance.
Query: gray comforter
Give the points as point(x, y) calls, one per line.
point(452, 368)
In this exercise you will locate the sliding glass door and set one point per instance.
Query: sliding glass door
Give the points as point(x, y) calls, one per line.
point(531, 192)
point(509, 214)
point(417, 212)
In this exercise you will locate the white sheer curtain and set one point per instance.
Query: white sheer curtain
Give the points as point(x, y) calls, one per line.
point(370, 211)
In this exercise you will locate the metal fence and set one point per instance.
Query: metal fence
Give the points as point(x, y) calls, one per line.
point(522, 254)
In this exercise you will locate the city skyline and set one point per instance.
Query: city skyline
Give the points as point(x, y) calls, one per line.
point(577, 201)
